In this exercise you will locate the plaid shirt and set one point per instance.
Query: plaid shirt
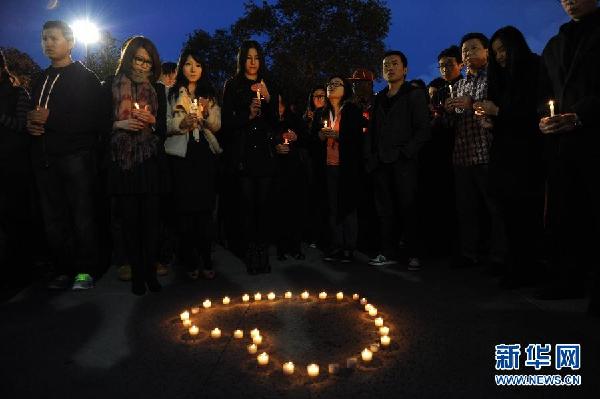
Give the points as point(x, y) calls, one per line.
point(472, 142)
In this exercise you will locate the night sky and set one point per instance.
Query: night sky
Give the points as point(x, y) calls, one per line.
point(420, 28)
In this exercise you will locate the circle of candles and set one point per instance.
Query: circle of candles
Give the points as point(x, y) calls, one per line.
point(193, 331)
point(216, 333)
point(355, 297)
point(366, 355)
point(185, 315)
point(385, 340)
point(351, 362)
point(339, 296)
point(187, 323)
point(322, 295)
point(312, 370)
point(254, 332)
point(226, 300)
point(288, 295)
point(196, 310)
point(271, 296)
point(288, 368)
point(363, 301)
point(257, 296)
point(304, 295)
point(373, 311)
point(238, 334)
point(263, 359)
point(378, 322)
point(374, 348)
point(257, 339)
point(206, 304)
point(252, 349)
point(384, 330)
point(368, 307)
point(245, 298)
point(333, 368)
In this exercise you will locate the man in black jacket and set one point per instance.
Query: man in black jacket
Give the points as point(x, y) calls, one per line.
point(570, 72)
point(64, 127)
point(400, 126)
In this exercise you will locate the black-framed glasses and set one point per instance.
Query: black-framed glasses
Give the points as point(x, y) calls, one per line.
point(333, 85)
point(139, 61)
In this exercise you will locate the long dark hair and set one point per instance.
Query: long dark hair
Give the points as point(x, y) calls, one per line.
point(131, 47)
point(243, 54)
point(311, 104)
point(203, 86)
point(519, 63)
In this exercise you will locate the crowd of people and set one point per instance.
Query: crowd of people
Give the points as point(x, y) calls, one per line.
point(150, 167)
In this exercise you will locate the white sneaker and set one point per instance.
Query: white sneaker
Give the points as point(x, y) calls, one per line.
point(414, 264)
point(381, 260)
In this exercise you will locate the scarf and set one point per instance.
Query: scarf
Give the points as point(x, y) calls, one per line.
point(130, 148)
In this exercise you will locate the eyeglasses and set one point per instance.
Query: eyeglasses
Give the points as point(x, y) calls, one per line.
point(333, 85)
point(319, 97)
point(139, 61)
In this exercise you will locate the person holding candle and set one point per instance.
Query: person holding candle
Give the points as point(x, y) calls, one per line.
point(341, 143)
point(290, 182)
point(64, 128)
point(136, 175)
point(250, 121)
point(516, 166)
point(569, 76)
point(195, 115)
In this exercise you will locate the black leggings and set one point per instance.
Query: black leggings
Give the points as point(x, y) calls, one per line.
point(195, 238)
point(254, 206)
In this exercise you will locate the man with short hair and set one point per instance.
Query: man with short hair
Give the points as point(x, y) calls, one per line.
point(399, 128)
point(64, 127)
point(168, 74)
point(471, 157)
point(570, 78)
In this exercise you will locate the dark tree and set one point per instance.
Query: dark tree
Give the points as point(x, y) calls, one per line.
point(21, 65)
point(104, 58)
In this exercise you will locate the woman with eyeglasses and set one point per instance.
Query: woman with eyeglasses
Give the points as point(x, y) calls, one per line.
point(195, 116)
point(136, 161)
point(338, 127)
point(249, 121)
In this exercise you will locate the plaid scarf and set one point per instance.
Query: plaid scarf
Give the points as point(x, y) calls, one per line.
point(130, 148)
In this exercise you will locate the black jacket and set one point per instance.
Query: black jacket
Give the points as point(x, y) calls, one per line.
point(399, 127)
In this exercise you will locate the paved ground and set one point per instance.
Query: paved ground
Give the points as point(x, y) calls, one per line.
point(106, 343)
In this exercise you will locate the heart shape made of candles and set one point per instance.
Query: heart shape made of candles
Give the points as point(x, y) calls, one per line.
point(252, 340)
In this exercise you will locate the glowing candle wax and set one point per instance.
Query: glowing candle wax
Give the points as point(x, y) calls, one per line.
point(195, 309)
point(551, 105)
point(322, 295)
point(333, 368)
point(355, 297)
point(378, 322)
point(216, 333)
point(254, 332)
point(374, 348)
point(187, 323)
point(263, 359)
point(339, 296)
point(304, 295)
point(245, 298)
point(288, 368)
point(206, 304)
point(136, 105)
point(288, 295)
point(257, 296)
point(226, 300)
point(368, 307)
point(312, 370)
point(373, 311)
point(193, 331)
point(185, 315)
point(384, 330)
point(363, 301)
point(257, 339)
point(366, 355)
point(271, 296)
point(385, 340)
point(252, 349)
point(238, 334)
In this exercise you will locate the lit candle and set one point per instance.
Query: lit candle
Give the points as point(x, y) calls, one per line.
point(252, 349)
point(333, 368)
point(322, 295)
point(195, 309)
point(355, 297)
point(206, 304)
point(351, 362)
point(551, 105)
point(286, 141)
point(254, 332)
point(185, 315)
point(374, 347)
point(257, 296)
point(257, 339)
point(378, 322)
point(339, 296)
point(288, 295)
point(263, 359)
point(271, 296)
point(325, 124)
point(238, 334)
point(193, 331)
point(451, 91)
point(245, 298)
point(187, 323)
point(216, 333)
point(363, 301)
point(258, 94)
point(368, 307)
point(312, 370)
point(385, 340)
point(226, 300)
point(384, 330)
point(373, 311)
point(366, 355)
point(304, 295)
point(136, 105)
point(288, 368)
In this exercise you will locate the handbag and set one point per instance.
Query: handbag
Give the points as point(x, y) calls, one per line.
point(176, 145)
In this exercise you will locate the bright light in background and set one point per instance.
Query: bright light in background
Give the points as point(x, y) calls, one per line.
point(85, 31)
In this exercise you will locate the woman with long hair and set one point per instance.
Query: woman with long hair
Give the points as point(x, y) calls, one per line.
point(339, 126)
point(249, 120)
point(134, 173)
point(516, 166)
point(195, 116)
